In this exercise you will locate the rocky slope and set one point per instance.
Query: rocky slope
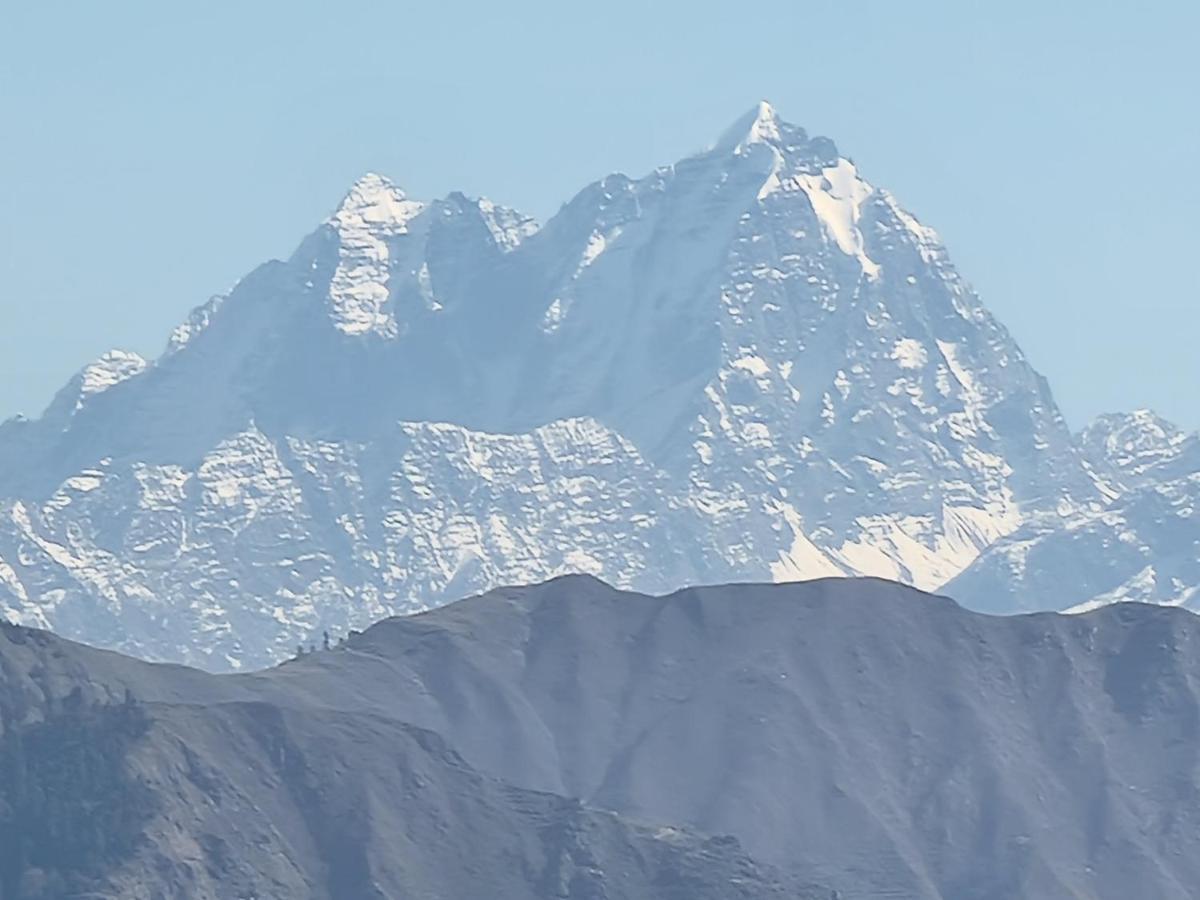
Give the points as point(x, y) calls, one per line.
point(574, 740)
point(750, 365)
point(119, 799)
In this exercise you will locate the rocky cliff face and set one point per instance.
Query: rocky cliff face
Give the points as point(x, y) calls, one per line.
point(750, 365)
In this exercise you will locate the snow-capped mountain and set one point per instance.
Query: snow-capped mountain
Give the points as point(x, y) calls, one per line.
point(1142, 544)
point(752, 364)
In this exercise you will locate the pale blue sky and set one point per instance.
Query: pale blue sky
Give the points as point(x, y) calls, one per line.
point(150, 156)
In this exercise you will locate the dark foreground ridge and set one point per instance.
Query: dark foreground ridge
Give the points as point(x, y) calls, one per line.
point(572, 740)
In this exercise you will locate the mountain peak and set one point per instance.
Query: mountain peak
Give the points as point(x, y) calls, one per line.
point(374, 201)
point(1142, 427)
point(374, 211)
point(758, 125)
point(1131, 441)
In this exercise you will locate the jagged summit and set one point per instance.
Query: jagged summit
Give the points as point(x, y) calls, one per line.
point(759, 124)
point(1135, 443)
point(377, 202)
point(1131, 431)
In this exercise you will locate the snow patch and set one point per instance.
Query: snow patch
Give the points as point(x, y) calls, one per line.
point(837, 196)
point(198, 320)
point(753, 364)
point(911, 549)
point(110, 369)
point(597, 243)
point(553, 317)
point(910, 353)
point(803, 559)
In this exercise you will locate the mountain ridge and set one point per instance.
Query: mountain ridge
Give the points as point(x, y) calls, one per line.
point(968, 755)
point(750, 364)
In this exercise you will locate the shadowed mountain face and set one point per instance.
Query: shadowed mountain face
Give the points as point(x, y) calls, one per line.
point(569, 737)
point(210, 792)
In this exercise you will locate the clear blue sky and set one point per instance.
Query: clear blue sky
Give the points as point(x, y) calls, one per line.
point(152, 153)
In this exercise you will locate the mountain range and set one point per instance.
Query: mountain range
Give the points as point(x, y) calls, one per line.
point(848, 739)
point(750, 365)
